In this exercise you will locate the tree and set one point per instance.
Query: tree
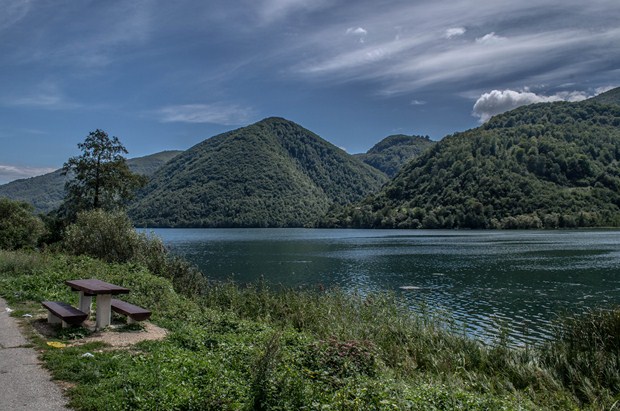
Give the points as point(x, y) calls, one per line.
point(101, 177)
point(19, 227)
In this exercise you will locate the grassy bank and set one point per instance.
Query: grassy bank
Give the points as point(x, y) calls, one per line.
point(233, 347)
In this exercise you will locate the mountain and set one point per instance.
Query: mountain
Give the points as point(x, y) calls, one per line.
point(545, 165)
point(609, 97)
point(391, 153)
point(274, 173)
point(47, 191)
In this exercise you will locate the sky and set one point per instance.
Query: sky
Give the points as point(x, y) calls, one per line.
point(165, 75)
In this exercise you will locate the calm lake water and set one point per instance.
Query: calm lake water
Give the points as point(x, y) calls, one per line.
point(518, 281)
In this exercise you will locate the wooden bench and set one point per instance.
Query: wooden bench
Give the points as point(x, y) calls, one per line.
point(133, 312)
point(64, 313)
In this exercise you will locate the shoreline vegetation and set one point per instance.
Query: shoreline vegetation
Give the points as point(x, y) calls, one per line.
point(252, 348)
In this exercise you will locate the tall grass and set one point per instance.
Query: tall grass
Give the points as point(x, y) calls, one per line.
point(19, 263)
point(582, 362)
point(585, 356)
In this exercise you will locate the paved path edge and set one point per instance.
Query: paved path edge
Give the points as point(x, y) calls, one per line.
point(24, 383)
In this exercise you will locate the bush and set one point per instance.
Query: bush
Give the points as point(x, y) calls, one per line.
point(19, 227)
point(110, 236)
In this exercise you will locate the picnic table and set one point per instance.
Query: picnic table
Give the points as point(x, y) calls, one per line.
point(103, 291)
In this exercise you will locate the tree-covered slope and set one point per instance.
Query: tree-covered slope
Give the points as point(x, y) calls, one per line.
point(391, 153)
point(47, 191)
point(608, 97)
point(545, 165)
point(273, 173)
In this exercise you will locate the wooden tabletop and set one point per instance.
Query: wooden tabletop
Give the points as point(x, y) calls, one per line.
point(93, 286)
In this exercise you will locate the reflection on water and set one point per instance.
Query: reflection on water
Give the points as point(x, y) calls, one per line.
point(515, 281)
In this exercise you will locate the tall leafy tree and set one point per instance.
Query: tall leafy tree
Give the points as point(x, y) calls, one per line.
point(101, 177)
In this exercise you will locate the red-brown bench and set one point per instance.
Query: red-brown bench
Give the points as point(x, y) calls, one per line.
point(133, 312)
point(64, 313)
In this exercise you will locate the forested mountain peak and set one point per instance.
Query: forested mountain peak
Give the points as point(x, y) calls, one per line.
point(544, 165)
point(398, 140)
point(273, 173)
point(391, 153)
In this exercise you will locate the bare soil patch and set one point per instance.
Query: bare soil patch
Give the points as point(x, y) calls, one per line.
point(116, 335)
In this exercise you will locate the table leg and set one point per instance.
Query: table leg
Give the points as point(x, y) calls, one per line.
point(104, 310)
point(85, 303)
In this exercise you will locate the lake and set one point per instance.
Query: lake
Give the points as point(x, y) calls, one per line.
point(516, 281)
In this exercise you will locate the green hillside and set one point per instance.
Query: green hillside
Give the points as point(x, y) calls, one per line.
point(545, 165)
point(47, 191)
point(273, 173)
point(391, 153)
point(609, 97)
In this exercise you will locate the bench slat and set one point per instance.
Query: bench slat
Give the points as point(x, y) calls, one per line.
point(130, 310)
point(66, 312)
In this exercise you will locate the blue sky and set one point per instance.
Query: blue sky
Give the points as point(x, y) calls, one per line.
point(168, 74)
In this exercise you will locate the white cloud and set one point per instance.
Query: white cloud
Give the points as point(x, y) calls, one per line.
point(418, 102)
point(10, 172)
point(490, 38)
point(497, 102)
point(601, 90)
point(357, 30)
point(454, 32)
point(227, 115)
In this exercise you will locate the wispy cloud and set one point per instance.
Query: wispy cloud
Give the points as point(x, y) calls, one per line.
point(228, 115)
point(47, 95)
point(454, 32)
point(90, 40)
point(490, 38)
point(504, 43)
point(11, 172)
point(13, 11)
point(270, 11)
point(497, 102)
point(359, 32)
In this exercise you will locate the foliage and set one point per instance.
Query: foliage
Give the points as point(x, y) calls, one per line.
point(46, 192)
point(547, 165)
point(609, 97)
point(25, 262)
point(391, 153)
point(271, 174)
point(101, 177)
point(586, 354)
point(254, 348)
point(19, 228)
point(109, 236)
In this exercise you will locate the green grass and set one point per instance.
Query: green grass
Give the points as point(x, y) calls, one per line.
point(252, 348)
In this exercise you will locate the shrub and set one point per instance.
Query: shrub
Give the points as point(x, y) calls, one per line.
point(19, 227)
point(104, 235)
point(110, 236)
